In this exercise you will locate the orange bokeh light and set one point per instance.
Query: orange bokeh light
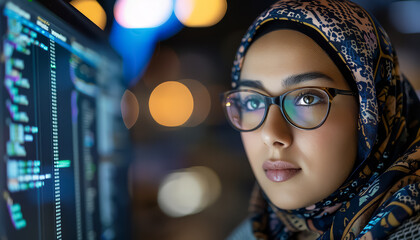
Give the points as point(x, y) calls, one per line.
point(171, 104)
point(129, 108)
point(92, 10)
point(200, 13)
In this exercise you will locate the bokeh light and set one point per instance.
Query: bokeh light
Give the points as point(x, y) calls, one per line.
point(200, 13)
point(171, 104)
point(188, 191)
point(136, 47)
point(180, 194)
point(202, 102)
point(129, 109)
point(211, 182)
point(142, 13)
point(92, 10)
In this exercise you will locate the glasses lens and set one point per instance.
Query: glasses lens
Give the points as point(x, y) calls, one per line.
point(245, 110)
point(306, 107)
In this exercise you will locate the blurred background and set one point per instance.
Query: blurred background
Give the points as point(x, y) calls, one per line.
point(189, 177)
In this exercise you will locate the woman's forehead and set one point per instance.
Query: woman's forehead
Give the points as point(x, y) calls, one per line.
point(283, 59)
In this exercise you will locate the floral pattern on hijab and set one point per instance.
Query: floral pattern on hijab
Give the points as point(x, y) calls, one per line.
point(383, 189)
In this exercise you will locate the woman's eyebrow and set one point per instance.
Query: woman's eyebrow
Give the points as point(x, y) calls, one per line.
point(288, 82)
point(303, 77)
point(251, 83)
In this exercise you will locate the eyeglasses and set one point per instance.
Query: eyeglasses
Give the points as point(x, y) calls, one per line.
point(305, 108)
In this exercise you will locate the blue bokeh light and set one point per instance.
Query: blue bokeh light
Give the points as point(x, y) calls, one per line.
point(136, 45)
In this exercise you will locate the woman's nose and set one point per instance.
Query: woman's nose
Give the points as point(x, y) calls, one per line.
point(275, 129)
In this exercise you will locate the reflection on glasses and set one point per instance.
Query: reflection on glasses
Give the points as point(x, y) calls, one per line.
point(305, 108)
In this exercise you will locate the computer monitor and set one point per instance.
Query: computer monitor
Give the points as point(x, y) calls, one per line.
point(62, 139)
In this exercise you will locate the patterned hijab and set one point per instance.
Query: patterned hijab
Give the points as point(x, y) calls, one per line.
point(383, 189)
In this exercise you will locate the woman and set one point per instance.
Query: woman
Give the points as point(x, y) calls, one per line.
point(329, 125)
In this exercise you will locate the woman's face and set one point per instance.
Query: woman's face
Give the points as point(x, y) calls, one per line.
point(297, 168)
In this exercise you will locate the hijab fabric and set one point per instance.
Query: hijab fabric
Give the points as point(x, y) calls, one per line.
point(383, 189)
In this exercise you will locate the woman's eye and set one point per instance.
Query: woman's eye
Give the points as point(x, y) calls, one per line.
point(308, 100)
point(253, 104)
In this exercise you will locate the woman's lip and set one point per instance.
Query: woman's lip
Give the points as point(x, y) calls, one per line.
point(281, 175)
point(278, 165)
point(280, 171)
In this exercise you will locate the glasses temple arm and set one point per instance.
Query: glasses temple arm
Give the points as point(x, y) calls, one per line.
point(345, 92)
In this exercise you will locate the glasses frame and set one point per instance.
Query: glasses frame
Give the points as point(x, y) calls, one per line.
point(279, 101)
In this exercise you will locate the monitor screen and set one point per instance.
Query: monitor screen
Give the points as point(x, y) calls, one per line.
point(62, 142)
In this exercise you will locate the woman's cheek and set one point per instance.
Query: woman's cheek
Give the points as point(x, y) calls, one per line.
point(254, 148)
point(330, 151)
